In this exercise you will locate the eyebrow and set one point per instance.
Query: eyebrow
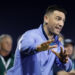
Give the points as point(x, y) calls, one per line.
point(61, 17)
point(58, 16)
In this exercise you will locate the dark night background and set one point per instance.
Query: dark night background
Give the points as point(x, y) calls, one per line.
point(18, 17)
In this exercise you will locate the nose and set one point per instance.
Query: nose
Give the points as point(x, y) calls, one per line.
point(61, 23)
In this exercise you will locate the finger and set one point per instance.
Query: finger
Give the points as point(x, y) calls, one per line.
point(64, 51)
point(50, 41)
point(44, 44)
point(61, 48)
point(54, 46)
point(66, 60)
point(67, 56)
point(55, 52)
point(47, 43)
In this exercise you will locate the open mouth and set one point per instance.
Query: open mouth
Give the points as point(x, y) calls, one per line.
point(58, 28)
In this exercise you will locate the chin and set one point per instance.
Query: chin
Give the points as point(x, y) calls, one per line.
point(56, 33)
point(8, 51)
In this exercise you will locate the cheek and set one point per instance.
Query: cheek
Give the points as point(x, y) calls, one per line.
point(10, 46)
point(71, 50)
point(51, 22)
point(4, 46)
point(53, 28)
point(50, 28)
point(51, 25)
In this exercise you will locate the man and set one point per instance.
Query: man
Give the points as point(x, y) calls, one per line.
point(6, 58)
point(69, 46)
point(37, 49)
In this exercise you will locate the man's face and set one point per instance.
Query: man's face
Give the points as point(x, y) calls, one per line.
point(6, 44)
point(55, 21)
point(69, 49)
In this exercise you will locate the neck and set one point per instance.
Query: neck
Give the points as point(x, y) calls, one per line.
point(48, 33)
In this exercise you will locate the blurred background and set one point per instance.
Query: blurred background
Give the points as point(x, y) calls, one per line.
point(18, 17)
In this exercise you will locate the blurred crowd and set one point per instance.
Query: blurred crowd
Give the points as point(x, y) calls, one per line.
point(7, 57)
point(69, 46)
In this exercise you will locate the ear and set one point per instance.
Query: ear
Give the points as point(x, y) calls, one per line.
point(46, 19)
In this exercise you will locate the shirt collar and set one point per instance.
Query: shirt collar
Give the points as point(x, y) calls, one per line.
point(55, 36)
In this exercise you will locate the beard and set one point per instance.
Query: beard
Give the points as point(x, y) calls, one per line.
point(50, 31)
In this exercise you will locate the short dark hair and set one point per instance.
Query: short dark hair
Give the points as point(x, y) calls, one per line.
point(52, 8)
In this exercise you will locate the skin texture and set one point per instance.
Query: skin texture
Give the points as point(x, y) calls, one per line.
point(54, 23)
point(5, 46)
point(69, 49)
point(66, 73)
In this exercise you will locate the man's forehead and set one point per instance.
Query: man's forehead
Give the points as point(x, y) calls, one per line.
point(59, 13)
point(7, 38)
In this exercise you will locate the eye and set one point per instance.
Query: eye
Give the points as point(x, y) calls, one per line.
point(58, 18)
